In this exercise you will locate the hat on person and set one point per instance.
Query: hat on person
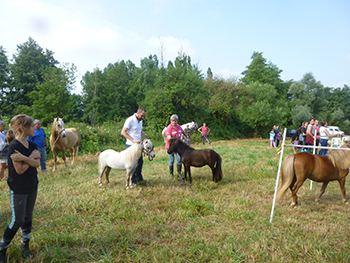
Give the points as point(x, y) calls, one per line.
point(174, 117)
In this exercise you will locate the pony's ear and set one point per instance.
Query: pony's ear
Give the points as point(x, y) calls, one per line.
point(62, 118)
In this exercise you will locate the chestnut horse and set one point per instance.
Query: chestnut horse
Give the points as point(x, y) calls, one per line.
point(298, 167)
point(197, 158)
point(62, 139)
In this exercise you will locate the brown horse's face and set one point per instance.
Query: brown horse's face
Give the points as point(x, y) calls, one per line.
point(59, 127)
point(172, 145)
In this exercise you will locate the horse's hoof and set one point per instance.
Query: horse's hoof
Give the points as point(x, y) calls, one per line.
point(346, 202)
point(100, 184)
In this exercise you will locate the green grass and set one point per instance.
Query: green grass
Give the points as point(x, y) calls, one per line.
point(163, 220)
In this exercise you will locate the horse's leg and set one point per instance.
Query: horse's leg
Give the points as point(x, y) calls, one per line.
point(76, 150)
point(213, 170)
point(54, 160)
point(323, 188)
point(342, 187)
point(71, 151)
point(100, 174)
point(295, 189)
point(108, 169)
point(129, 174)
point(189, 173)
point(64, 157)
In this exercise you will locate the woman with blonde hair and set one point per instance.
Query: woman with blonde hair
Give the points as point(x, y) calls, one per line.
point(23, 160)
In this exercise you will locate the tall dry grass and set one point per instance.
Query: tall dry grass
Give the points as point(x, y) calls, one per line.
point(165, 220)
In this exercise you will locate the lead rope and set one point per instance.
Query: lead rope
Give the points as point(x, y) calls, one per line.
point(58, 136)
point(146, 153)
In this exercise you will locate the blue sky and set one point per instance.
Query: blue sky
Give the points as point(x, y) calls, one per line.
point(297, 36)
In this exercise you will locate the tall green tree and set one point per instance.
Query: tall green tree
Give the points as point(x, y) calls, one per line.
point(265, 73)
point(4, 80)
point(52, 97)
point(93, 86)
point(261, 108)
point(223, 100)
point(338, 112)
point(311, 94)
point(179, 89)
point(107, 94)
point(30, 63)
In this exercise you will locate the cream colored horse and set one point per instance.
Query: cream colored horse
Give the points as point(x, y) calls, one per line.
point(124, 160)
point(62, 139)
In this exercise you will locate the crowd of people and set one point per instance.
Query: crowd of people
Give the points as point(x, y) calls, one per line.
point(310, 132)
point(275, 136)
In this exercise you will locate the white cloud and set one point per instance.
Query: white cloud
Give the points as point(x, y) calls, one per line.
point(78, 36)
point(227, 73)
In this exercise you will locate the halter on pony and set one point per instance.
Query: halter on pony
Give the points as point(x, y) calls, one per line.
point(59, 132)
point(148, 150)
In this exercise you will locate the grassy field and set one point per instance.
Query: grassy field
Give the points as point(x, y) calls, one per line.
point(163, 220)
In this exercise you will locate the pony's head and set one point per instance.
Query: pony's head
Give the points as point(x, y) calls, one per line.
point(193, 125)
point(173, 145)
point(147, 148)
point(59, 126)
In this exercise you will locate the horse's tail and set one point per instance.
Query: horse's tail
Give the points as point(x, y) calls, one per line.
point(99, 163)
point(287, 176)
point(163, 134)
point(218, 170)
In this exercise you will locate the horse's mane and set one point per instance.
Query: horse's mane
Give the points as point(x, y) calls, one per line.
point(183, 144)
point(133, 152)
point(341, 158)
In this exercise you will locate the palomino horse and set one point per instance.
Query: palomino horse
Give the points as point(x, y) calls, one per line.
point(191, 126)
point(124, 160)
point(197, 158)
point(301, 166)
point(62, 139)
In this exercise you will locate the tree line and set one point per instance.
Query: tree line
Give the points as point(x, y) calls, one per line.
point(35, 83)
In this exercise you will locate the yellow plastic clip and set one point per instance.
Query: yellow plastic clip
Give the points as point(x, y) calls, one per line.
point(280, 149)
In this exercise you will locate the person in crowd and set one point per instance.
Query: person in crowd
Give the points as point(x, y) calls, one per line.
point(295, 140)
point(188, 133)
point(174, 130)
point(309, 135)
point(276, 130)
point(24, 159)
point(204, 130)
point(3, 150)
point(303, 130)
point(278, 138)
point(316, 129)
point(132, 131)
point(40, 139)
point(272, 138)
point(324, 136)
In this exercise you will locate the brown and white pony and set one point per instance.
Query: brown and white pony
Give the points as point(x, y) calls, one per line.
point(62, 139)
point(298, 167)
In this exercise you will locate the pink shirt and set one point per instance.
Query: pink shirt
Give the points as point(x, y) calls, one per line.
point(173, 132)
point(204, 129)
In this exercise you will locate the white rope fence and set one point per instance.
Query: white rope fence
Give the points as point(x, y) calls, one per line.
point(281, 150)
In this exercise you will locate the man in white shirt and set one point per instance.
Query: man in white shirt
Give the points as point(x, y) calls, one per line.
point(132, 131)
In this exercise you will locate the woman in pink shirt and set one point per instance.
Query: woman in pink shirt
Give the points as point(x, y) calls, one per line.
point(205, 130)
point(174, 130)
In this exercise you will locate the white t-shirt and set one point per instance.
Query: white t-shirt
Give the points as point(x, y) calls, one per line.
point(323, 134)
point(134, 127)
point(2, 141)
